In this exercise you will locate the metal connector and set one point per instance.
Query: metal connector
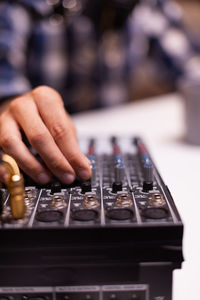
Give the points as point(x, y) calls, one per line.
point(15, 186)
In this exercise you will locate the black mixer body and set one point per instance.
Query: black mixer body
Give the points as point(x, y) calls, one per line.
point(116, 236)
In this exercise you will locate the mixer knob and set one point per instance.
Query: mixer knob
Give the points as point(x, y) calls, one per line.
point(119, 173)
point(86, 187)
point(116, 187)
point(55, 187)
point(148, 176)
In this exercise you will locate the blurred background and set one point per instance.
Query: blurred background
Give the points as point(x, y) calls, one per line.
point(119, 51)
point(149, 82)
point(98, 53)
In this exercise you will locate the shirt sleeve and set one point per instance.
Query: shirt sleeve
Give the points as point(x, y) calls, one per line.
point(15, 27)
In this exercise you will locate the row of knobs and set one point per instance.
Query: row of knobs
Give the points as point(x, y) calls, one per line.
point(119, 177)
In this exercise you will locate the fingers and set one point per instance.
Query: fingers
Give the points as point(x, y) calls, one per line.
point(40, 138)
point(50, 131)
point(62, 129)
point(10, 140)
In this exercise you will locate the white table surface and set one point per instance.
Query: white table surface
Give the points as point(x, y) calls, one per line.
point(160, 121)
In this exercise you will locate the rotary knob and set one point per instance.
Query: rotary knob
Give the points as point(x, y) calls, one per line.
point(116, 187)
point(148, 176)
point(86, 187)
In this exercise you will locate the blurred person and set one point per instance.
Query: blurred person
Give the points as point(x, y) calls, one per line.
point(59, 57)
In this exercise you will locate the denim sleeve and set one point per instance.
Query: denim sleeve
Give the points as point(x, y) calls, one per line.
point(15, 25)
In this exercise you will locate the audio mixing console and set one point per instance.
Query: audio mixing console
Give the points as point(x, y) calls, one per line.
point(116, 236)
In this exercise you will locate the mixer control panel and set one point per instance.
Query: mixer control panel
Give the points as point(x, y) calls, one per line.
point(125, 189)
point(115, 236)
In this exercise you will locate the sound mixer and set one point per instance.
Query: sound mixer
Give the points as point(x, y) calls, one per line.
point(114, 190)
point(121, 229)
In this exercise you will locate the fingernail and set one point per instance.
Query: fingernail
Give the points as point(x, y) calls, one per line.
point(68, 178)
point(43, 178)
point(84, 174)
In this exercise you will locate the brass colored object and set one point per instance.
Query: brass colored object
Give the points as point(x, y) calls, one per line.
point(90, 200)
point(123, 200)
point(29, 197)
point(30, 193)
point(58, 202)
point(10, 164)
point(15, 186)
point(157, 200)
